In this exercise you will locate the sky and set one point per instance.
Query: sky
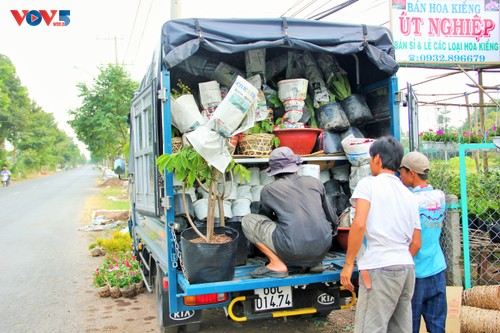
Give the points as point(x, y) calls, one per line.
point(51, 60)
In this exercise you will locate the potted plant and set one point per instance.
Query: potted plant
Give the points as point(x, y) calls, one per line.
point(354, 105)
point(300, 140)
point(191, 168)
point(495, 136)
point(100, 281)
point(259, 140)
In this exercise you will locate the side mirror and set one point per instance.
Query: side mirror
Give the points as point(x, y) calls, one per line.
point(119, 166)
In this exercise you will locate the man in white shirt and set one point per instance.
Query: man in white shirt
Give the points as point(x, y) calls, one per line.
point(384, 236)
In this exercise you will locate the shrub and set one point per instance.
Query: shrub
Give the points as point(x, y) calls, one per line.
point(118, 242)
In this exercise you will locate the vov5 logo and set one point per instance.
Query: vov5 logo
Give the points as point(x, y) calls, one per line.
point(35, 17)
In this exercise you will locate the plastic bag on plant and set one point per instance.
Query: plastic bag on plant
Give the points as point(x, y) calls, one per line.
point(261, 112)
point(356, 109)
point(331, 142)
point(295, 68)
point(357, 150)
point(276, 65)
point(210, 97)
point(332, 117)
point(226, 74)
point(354, 131)
point(199, 66)
point(315, 78)
point(255, 64)
point(185, 114)
point(292, 94)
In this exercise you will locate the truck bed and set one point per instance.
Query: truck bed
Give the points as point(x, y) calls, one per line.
point(243, 280)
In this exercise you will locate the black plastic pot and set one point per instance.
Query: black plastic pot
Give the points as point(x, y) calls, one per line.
point(495, 233)
point(356, 109)
point(242, 252)
point(332, 117)
point(208, 262)
point(179, 205)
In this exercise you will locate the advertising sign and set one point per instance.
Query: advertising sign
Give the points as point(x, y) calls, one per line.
point(446, 31)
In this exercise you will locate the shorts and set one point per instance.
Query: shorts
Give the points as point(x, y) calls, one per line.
point(259, 229)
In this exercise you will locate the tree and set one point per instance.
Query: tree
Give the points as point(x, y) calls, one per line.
point(101, 121)
point(492, 116)
point(14, 104)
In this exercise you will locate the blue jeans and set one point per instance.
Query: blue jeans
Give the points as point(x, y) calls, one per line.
point(429, 301)
point(386, 306)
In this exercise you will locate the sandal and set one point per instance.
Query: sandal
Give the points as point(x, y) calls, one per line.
point(263, 271)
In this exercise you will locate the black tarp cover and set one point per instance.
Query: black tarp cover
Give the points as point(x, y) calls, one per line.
point(182, 38)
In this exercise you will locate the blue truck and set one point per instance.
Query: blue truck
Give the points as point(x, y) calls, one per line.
point(366, 53)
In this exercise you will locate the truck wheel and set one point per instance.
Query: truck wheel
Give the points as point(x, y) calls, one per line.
point(162, 304)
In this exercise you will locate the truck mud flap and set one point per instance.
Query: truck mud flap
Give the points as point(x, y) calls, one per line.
point(185, 319)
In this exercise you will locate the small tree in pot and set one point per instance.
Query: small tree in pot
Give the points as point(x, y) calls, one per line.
point(190, 167)
point(212, 256)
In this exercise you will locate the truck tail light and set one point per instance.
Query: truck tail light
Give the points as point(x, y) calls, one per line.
point(205, 299)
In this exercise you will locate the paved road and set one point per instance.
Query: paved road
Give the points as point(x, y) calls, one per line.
point(42, 252)
point(46, 270)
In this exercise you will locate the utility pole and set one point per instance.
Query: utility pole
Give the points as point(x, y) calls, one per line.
point(175, 9)
point(115, 38)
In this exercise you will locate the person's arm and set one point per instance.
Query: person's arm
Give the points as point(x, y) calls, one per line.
point(354, 241)
point(416, 242)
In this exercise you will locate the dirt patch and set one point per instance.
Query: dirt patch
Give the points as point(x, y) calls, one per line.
point(112, 215)
point(340, 321)
point(113, 182)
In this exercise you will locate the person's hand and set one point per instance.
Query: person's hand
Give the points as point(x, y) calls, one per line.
point(345, 276)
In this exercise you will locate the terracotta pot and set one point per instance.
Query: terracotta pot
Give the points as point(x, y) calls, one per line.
point(342, 236)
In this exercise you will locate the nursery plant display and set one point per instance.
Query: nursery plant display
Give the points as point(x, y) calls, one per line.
point(118, 275)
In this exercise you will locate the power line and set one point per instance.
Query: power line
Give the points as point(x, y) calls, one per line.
point(144, 29)
point(132, 32)
point(314, 10)
point(332, 10)
point(303, 8)
point(293, 6)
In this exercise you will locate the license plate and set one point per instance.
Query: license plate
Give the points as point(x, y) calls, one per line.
point(273, 298)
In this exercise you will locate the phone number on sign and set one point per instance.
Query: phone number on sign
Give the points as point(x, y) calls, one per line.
point(449, 57)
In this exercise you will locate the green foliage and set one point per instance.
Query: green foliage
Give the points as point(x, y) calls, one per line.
point(37, 140)
point(183, 90)
point(442, 176)
point(189, 166)
point(118, 242)
point(101, 122)
point(341, 86)
point(482, 189)
point(263, 126)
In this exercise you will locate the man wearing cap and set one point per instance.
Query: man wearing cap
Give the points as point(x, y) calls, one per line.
point(296, 221)
point(429, 297)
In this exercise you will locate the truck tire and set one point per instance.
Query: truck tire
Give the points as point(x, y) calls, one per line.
point(163, 307)
point(162, 304)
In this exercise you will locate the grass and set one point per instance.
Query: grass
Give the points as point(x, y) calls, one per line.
point(108, 198)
